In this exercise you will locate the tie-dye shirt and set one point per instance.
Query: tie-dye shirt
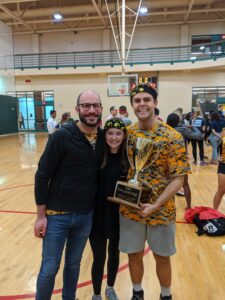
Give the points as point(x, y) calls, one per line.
point(165, 158)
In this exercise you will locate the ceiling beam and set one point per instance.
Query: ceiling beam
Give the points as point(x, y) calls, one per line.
point(191, 2)
point(80, 9)
point(70, 28)
point(221, 16)
point(128, 16)
point(159, 13)
point(138, 25)
point(98, 11)
point(16, 1)
point(5, 9)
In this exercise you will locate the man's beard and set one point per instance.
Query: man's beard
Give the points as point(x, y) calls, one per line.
point(85, 122)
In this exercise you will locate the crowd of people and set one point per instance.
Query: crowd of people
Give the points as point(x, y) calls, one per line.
point(79, 169)
point(201, 131)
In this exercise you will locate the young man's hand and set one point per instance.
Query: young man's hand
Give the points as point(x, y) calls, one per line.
point(146, 209)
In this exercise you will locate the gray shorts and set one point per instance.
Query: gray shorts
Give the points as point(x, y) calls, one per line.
point(160, 238)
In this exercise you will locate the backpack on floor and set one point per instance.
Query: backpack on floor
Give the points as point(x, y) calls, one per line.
point(210, 227)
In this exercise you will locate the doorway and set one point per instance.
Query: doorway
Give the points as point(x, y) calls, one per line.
point(33, 109)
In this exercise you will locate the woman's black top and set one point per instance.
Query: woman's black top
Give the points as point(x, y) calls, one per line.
point(106, 213)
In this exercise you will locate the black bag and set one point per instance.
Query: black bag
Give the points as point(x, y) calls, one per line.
point(212, 227)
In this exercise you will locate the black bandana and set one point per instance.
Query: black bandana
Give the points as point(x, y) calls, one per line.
point(114, 123)
point(144, 88)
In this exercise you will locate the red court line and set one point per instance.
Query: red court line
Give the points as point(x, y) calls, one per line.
point(34, 213)
point(57, 291)
point(15, 187)
point(27, 212)
point(18, 212)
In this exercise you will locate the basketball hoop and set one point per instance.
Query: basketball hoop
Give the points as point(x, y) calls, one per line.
point(121, 85)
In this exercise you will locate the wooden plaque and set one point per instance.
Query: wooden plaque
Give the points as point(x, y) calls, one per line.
point(127, 194)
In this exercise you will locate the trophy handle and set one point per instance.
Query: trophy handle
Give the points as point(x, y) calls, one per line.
point(131, 162)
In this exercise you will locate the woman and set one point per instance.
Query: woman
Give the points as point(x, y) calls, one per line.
point(221, 176)
point(64, 120)
point(192, 133)
point(106, 216)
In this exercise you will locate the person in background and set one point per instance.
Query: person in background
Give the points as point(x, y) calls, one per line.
point(179, 112)
point(217, 124)
point(65, 186)
point(221, 176)
point(123, 114)
point(70, 120)
point(200, 124)
point(64, 120)
point(187, 119)
point(21, 121)
point(167, 163)
point(157, 115)
point(51, 123)
point(113, 113)
point(221, 111)
point(105, 230)
point(207, 127)
point(173, 120)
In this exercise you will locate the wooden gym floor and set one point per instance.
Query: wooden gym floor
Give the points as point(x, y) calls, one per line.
point(198, 266)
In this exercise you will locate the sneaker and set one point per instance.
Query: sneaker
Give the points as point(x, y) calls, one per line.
point(165, 297)
point(180, 193)
point(138, 295)
point(203, 163)
point(214, 162)
point(111, 294)
point(194, 162)
point(96, 297)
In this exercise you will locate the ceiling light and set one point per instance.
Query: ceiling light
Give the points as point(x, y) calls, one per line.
point(202, 47)
point(57, 16)
point(143, 10)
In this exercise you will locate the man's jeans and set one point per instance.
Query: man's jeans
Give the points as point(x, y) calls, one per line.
point(72, 229)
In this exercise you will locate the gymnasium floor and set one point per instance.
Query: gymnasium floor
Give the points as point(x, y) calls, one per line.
point(198, 266)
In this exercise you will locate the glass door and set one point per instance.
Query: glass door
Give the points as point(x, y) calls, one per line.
point(33, 109)
point(30, 111)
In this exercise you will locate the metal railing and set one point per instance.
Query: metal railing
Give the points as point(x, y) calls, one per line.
point(93, 59)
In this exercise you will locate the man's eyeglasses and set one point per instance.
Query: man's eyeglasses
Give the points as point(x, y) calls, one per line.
point(87, 106)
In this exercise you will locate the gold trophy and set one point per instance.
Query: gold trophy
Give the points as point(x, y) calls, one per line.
point(130, 193)
point(142, 154)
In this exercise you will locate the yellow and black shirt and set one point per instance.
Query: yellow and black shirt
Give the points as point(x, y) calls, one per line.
point(166, 158)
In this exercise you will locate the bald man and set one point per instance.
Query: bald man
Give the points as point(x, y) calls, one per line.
point(65, 185)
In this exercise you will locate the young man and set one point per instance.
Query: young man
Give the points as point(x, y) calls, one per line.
point(51, 123)
point(65, 185)
point(113, 113)
point(165, 164)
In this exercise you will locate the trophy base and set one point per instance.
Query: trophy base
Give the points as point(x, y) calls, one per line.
point(127, 194)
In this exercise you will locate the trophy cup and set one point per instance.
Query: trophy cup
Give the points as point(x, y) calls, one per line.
point(129, 193)
point(142, 153)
